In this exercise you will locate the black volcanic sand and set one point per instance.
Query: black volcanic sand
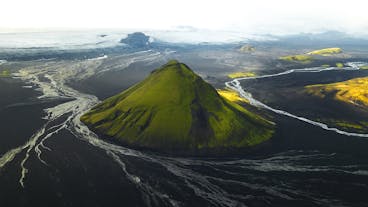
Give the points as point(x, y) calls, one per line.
point(20, 113)
point(112, 82)
point(287, 93)
point(292, 134)
point(75, 169)
point(18, 116)
point(79, 174)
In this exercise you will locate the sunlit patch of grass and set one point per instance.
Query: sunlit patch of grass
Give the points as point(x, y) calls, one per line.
point(5, 73)
point(354, 91)
point(247, 48)
point(241, 74)
point(308, 57)
point(339, 65)
point(231, 96)
point(326, 51)
point(355, 126)
point(297, 58)
point(348, 125)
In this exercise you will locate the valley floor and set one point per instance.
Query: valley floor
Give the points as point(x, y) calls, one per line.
point(49, 158)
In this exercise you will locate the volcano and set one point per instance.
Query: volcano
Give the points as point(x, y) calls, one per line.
point(174, 108)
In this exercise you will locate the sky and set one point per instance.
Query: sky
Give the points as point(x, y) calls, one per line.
point(252, 17)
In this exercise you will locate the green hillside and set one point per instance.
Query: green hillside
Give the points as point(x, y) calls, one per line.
point(326, 51)
point(297, 58)
point(173, 108)
point(309, 57)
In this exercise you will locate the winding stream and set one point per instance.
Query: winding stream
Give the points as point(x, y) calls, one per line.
point(235, 85)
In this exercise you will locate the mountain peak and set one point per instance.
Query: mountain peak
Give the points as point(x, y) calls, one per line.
point(136, 40)
point(174, 108)
point(175, 65)
point(172, 65)
point(171, 62)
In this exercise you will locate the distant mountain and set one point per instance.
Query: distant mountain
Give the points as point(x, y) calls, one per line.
point(247, 48)
point(326, 51)
point(324, 39)
point(175, 109)
point(137, 40)
point(324, 36)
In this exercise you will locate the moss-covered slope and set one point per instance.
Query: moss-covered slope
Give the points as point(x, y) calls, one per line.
point(353, 91)
point(173, 108)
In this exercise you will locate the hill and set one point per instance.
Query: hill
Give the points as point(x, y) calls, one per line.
point(308, 57)
point(297, 58)
point(247, 48)
point(136, 40)
point(326, 51)
point(241, 74)
point(173, 108)
point(352, 91)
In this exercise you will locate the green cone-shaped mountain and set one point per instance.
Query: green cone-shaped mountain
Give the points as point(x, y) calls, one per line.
point(173, 108)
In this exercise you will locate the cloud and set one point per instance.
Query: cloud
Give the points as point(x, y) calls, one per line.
point(251, 17)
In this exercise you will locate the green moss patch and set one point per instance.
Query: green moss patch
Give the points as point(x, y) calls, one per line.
point(297, 58)
point(5, 73)
point(326, 51)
